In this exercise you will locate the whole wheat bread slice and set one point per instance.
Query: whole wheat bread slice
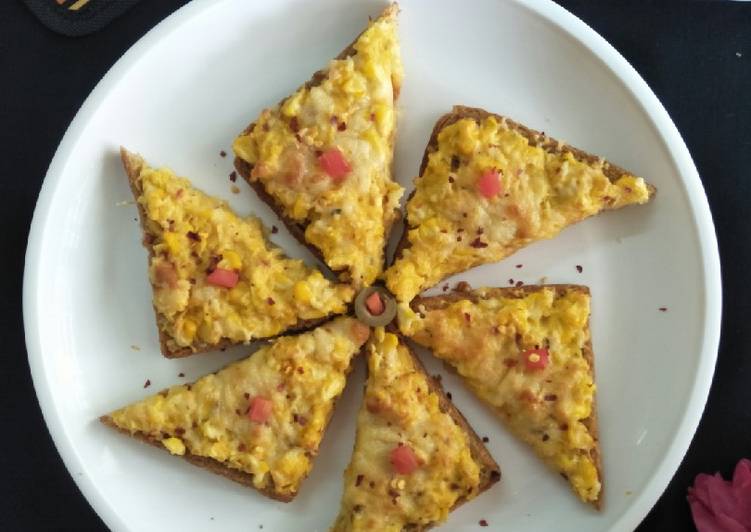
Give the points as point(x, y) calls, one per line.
point(490, 472)
point(295, 228)
point(133, 164)
point(535, 138)
point(218, 467)
point(444, 300)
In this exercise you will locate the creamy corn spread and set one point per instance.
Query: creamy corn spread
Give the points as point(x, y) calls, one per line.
point(352, 111)
point(453, 226)
point(399, 408)
point(300, 376)
point(192, 234)
point(486, 341)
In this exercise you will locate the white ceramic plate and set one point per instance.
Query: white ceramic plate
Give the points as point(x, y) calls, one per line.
point(181, 94)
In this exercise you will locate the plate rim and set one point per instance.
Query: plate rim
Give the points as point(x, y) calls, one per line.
point(546, 10)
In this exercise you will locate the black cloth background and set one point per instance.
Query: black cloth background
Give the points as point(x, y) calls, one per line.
point(696, 56)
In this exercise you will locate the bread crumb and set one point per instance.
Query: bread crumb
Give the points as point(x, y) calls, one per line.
point(519, 283)
point(519, 265)
point(274, 229)
point(181, 374)
point(448, 394)
point(235, 189)
point(579, 268)
point(147, 383)
point(134, 347)
point(663, 309)
point(483, 522)
point(233, 176)
point(222, 153)
point(485, 439)
point(463, 286)
point(511, 282)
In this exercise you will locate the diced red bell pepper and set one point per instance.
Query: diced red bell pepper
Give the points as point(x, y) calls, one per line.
point(404, 460)
point(223, 278)
point(334, 164)
point(536, 358)
point(489, 183)
point(260, 409)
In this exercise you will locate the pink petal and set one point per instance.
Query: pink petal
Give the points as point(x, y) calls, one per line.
point(728, 524)
point(721, 496)
point(742, 474)
point(701, 488)
point(703, 518)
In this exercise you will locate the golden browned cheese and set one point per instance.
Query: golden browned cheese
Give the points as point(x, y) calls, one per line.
point(300, 375)
point(548, 408)
point(192, 233)
point(399, 408)
point(453, 227)
point(352, 110)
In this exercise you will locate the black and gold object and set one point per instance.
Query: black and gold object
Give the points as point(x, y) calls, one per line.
point(75, 18)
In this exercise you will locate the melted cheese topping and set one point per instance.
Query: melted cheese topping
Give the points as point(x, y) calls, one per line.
point(454, 228)
point(191, 234)
point(399, 408)
point(301, 376)
point(546, 408)
point(352, 110)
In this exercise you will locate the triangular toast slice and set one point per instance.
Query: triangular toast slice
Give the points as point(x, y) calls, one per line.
point(258, 421)
point(489, 186)
point(322, 157)
point(526, 352)
point(217, 280)
point(415, 457)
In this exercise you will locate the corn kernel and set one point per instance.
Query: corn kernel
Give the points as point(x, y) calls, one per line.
point(302, 292)
point(174, 446)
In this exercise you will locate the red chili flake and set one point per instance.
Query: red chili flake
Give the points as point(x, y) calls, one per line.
point(628, 189)
point(477, 243)
point(242, 448)
point(302, 420)
point(222, 153)
point(480, 230)
point(454, 163)
point(246, 395)
point(179, 193)
point(458, 238)
point(545, 437)
point(270, 301)
point(460, 230)
point(464, 215)
point(181, 374)
point(342, 126)
point(300, 370)
point(294, 125)
point(358, 480)
point(579, 268)
point(551, 397)
point(496, 329)
point(445, 287)
point(451, 179)
point(194, 236)
point(334, 119)
point(266, 127)
point(519, 265)
point(274, 229)
point(510, 362)
point(467, 317)
point(233, 176)
point(147, 383)
point(519, 283)
point(483, 522)
point(179, 431)
point(372, 117)
point(448, 394)
point(485, 439)
point(663, 309)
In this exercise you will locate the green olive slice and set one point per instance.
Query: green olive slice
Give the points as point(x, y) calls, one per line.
point(364, 313)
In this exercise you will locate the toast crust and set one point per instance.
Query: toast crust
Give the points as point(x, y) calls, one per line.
point(219, 468)
point(535, 138)
point(591, 423)
point(298, 229)
point(133, 164)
